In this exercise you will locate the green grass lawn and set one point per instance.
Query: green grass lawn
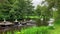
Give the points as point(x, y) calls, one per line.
point(56, 30)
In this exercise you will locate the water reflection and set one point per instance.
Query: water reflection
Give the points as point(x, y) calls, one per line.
point(5, 29)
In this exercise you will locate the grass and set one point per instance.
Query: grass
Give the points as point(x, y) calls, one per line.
point(32, 30)
point(42, 30)
point(56, 30)
point(36, 30)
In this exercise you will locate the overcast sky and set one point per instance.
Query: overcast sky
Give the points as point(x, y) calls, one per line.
point(36, 2)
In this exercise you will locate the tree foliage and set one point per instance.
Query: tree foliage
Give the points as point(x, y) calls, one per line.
point(55, 4)
point(15, 9)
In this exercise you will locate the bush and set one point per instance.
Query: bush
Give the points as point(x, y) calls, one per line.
point(35, 30)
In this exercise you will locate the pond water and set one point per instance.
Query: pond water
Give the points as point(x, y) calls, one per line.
point(4, 30)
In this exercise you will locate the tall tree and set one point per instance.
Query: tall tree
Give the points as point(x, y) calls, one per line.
point(4, 9)
point(54, 4)
point(37, 13)
point(21, 8)
point(15, 9)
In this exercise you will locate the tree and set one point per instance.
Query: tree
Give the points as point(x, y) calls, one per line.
point(44, 13)
point(38, 13)
point(15, 9)
point(22, 8)
point(54, 4)
point(4, 9)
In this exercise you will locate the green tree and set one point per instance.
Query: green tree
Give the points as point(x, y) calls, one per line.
point(4, 9)
point(15, 9)
point(22, 8)
point(37, 13)
point(54, 4)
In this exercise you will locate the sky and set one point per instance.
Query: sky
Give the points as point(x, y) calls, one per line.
point(36, 2)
